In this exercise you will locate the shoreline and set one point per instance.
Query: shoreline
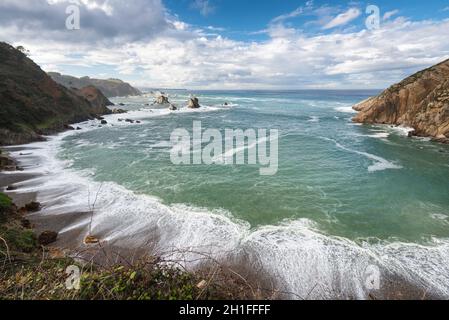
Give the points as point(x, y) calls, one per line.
point(71, 227)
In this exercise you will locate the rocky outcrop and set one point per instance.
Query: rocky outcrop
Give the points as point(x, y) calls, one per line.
point(32, 104)
point(110, 87)
point(194, 103)
point(96, 99)
point(162, 99)
point(421, 101)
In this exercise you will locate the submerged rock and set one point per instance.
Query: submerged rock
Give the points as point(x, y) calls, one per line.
point(194, 103)
point(172, 107)
point(104, 122)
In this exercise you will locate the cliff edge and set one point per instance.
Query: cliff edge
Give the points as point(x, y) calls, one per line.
point(421, 101)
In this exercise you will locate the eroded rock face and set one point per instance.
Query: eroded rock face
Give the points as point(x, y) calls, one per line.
point(420, 101)
point(194, 103)
point(97, 100)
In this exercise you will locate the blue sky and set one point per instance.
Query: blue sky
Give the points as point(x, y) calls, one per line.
point(231, 44)
point(241, 18)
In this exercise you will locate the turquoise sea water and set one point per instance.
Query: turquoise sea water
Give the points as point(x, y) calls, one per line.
point(356, 182)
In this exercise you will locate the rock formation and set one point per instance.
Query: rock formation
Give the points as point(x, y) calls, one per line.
point(194, 103)
point(110, 87)
point(32, 104)
point(95, 97)
point(161, 99)
point(421, 101)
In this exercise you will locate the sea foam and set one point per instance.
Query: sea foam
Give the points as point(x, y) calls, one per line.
point(301, 259)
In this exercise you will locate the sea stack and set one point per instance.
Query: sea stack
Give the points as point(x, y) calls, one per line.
point(162, 99)
point(421, 102)
point(194, 103)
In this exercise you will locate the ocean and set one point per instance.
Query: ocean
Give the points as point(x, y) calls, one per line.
point(348, 201)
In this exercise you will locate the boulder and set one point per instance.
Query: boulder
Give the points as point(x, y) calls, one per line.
point(172, 107)
point(194, 103)
point(104, 122)
point(118, 111)
point(47, 237)
point(33, 206)
point(7, 164)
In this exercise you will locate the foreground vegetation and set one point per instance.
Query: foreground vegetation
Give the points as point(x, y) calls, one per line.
point(31, 271)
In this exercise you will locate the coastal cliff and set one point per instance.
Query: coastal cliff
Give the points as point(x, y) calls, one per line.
point(421, 102)
point(32, 104)
point(110, 87)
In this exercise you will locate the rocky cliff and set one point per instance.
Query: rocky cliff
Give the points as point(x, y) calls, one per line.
point(95, 97)
point(110, 87)
point(32, 104)
point(421, 101)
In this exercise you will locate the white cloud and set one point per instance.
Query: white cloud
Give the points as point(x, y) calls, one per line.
point(289, 15)
point(172, 53)
point(343, 18)
point(390, 14)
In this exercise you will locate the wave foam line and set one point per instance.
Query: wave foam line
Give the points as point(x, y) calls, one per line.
point(300, 258)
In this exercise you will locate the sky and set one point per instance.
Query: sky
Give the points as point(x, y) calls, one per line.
point(233, 44)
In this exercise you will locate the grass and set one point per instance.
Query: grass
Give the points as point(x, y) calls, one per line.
point(5, 201)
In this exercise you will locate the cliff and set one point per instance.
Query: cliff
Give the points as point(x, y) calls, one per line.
point(421, 101)
point(110, 87)
point(32, 104)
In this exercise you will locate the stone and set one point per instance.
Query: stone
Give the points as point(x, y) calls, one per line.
point(33, 207)
point(47, 237)
point(104, 122)
point(91, 240)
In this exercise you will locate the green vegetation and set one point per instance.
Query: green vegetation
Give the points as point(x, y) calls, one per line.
point(5, 201)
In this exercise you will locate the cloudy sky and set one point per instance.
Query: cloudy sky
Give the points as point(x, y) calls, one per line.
point(233, 44)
